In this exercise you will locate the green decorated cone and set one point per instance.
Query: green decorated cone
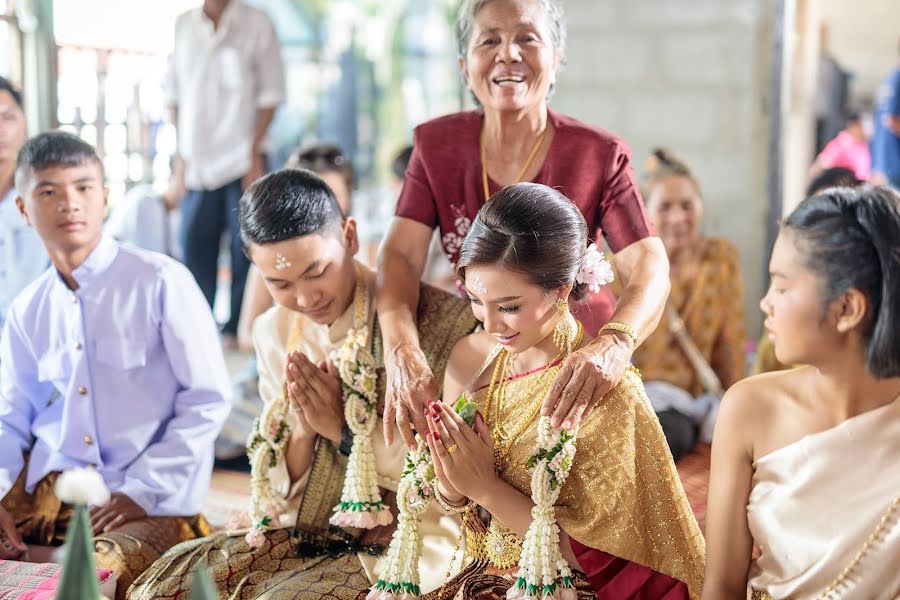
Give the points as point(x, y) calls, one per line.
point(202, 588)
point(79, 576)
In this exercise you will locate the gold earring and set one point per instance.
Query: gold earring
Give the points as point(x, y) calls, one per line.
point(566, 328)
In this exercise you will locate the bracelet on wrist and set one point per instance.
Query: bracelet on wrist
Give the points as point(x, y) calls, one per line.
point(447, 505)
point(621, 328)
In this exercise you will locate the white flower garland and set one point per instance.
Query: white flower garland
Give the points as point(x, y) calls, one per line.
point(543, 572)
point(361, 504)
point(400, 579)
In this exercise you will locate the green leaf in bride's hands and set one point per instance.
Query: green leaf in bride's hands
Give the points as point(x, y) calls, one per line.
point(466, 409)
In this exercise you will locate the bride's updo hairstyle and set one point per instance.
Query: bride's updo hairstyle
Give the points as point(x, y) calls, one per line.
point(531, 229)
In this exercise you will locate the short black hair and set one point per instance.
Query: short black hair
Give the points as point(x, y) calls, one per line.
point(833, 177)
point(401, 162)
point(7, 86)
point(286, 204)
point(54, 149)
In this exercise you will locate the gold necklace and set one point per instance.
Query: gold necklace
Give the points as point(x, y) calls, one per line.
point(497, 392)
point(484, 173)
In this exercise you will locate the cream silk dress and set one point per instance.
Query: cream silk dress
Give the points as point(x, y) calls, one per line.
point(824, 512)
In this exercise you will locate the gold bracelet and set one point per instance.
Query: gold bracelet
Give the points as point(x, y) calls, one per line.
point(621, 328)
point(445, 504)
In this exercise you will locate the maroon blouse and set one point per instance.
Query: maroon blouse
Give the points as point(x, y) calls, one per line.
point(443, 187)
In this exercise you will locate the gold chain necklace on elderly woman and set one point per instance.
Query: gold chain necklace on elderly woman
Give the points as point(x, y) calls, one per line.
point(497, 394)
point(484, 173)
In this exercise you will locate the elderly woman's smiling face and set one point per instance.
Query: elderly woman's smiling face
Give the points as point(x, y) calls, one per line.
point(511, 62)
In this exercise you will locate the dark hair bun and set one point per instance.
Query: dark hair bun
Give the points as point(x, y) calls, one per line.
point(532, 229)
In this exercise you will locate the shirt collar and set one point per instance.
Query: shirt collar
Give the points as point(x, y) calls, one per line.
point(97, 262)
point(229, 15)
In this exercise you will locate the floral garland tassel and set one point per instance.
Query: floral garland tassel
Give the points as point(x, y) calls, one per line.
point(543, 572)
point(400, 578)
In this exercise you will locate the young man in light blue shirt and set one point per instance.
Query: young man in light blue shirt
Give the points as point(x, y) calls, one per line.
point(111, 359)
point(22, 255)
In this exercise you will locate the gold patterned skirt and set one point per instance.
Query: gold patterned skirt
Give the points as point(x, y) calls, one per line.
point(43, 520)
point(272, 572)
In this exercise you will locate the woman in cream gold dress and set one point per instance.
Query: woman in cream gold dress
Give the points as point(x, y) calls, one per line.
point(625, 527)
point(804, 462)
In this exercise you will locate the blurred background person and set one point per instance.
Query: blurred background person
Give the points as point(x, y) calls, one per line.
point(697, 351)
point(848, 149)
point(22, 254)
point(886, 135)
point(225, 81)
point(147, 219)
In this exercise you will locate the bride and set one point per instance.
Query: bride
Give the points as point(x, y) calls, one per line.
point(625, 528)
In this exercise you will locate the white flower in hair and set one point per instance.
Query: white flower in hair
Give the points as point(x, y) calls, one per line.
point(82, 486)
point(595, 270)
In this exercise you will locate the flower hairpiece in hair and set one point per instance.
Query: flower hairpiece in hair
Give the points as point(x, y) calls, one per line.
point(595, 270)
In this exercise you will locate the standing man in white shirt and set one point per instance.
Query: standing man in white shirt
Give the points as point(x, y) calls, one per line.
point(226, 78)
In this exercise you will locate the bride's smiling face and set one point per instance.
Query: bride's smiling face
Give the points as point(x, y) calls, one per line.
point(518, 313)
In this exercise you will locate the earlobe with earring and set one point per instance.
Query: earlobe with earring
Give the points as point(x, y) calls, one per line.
point(566, 328)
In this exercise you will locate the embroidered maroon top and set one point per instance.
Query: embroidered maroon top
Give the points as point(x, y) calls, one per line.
point(443, 187)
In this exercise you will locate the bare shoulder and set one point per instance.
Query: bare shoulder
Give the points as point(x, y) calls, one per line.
point(467, 357)
point(753, 410)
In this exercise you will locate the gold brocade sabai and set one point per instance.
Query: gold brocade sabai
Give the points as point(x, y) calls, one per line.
point(618, 497)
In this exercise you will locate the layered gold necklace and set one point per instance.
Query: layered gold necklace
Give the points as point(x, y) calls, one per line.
point(532, 394)
point(531, 155)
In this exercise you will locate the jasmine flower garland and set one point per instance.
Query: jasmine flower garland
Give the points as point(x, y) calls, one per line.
point(543, 572)
point(361, 504)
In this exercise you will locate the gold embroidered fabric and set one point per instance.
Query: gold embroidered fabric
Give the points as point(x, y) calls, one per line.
point(128, 549)
point(623, 495)
point(316, 560)
point(239, 572)
point(481, 581)
point(710, 302)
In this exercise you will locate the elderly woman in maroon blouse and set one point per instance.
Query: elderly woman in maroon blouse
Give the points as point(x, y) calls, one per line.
point(510, 54)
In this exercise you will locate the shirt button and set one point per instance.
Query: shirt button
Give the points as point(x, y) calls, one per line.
point(78, 345)
point(88, 440)
point(74, 299)
point(82, 390)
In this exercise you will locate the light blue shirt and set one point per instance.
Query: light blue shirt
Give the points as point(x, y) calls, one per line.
point(22, 254)
point(126, 373)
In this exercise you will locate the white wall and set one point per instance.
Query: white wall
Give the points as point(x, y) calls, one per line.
point(691, 75)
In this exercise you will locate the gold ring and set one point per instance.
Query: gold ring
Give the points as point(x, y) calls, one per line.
point(452, 449)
